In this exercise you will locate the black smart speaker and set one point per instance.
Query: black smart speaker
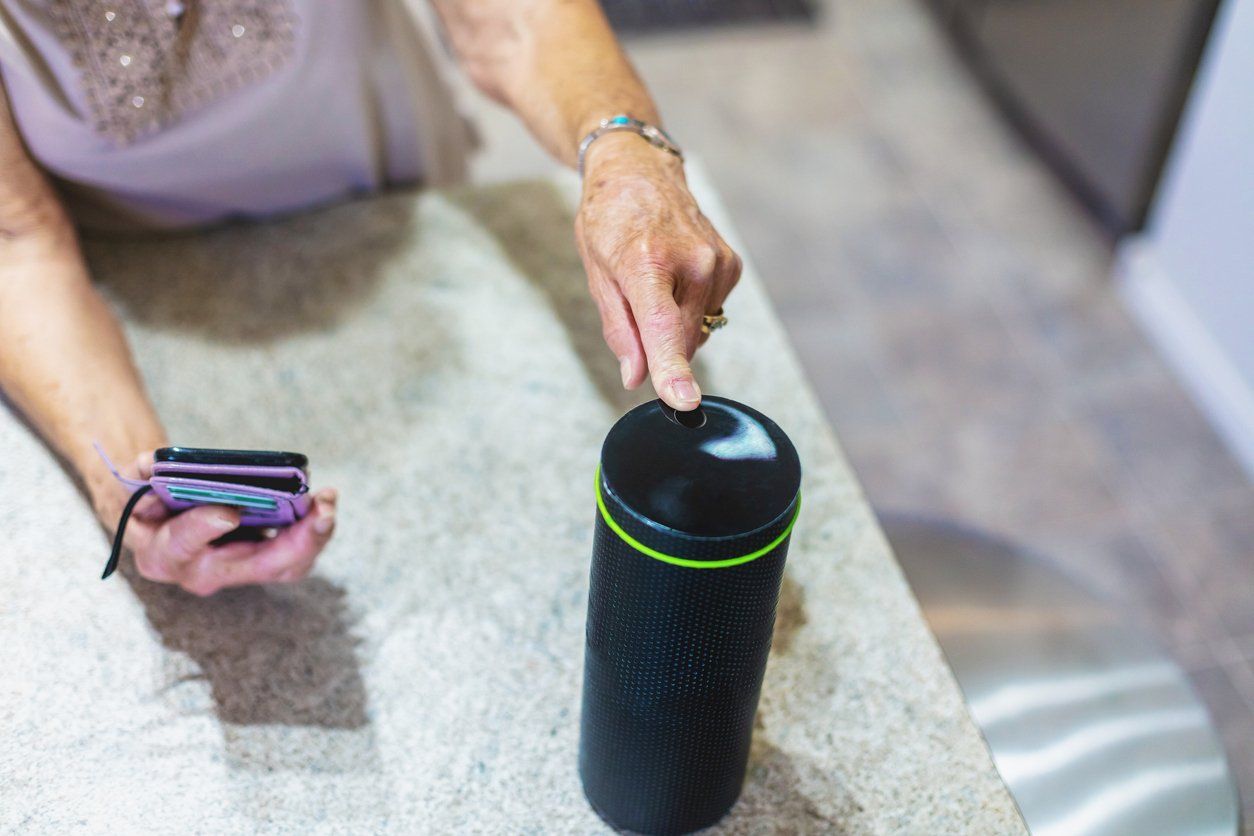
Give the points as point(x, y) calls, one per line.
point(694, 512)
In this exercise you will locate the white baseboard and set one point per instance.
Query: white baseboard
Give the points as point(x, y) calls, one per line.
point(1218, 387)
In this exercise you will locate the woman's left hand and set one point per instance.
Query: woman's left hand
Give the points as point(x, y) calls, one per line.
point(655, 264)
point(180, 548)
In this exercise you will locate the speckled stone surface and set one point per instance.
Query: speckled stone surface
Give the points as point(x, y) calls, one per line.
point(438, 360)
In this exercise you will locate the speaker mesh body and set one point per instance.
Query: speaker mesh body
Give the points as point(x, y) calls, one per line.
point(678, 632)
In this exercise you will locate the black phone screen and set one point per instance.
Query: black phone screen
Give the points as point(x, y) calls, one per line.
point(262, 458)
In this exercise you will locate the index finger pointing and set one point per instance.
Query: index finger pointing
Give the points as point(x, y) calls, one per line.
point(661, 328)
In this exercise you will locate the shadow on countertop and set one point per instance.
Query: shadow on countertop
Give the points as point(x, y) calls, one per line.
point(774, 801)
point(317, 266)
point(275, 656)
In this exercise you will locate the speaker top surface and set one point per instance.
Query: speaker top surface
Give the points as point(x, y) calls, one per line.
point(722, 470)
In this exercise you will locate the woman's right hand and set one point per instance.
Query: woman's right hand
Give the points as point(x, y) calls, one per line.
point(178, 548)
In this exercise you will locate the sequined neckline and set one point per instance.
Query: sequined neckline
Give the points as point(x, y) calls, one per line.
point(144, 64)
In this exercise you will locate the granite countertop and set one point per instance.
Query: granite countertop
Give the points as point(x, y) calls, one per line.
point(437, 358)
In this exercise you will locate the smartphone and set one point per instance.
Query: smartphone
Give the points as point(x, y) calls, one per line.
point(269, 487)
point(205, 455)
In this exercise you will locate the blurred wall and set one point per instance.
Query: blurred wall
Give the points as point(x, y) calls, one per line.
point(1190, 275)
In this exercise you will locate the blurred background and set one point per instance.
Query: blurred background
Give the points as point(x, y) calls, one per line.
point(1010, 241)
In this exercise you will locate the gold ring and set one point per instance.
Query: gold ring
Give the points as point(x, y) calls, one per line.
point(712, 322)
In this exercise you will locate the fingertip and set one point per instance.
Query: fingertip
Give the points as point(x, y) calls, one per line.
point(186, 535)
point(324, 519)
point(227, 518)
point(685, 394)
point(633, 372)
point(221, 518)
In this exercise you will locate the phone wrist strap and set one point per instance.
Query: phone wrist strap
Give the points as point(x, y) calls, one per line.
point(116, 554)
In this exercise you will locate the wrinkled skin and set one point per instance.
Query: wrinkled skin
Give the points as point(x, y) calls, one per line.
point(655, 264)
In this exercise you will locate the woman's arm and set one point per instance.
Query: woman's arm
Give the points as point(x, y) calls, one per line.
point(65, 364)
point(63, 359)
point(655, 264)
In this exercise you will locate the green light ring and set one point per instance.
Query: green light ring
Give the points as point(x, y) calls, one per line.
point(688, 563)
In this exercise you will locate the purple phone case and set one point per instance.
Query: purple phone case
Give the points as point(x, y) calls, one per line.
point(288, 507)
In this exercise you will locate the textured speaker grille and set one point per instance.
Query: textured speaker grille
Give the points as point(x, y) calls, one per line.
point(673, 668)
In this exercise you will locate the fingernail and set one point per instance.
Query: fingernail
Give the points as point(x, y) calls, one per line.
point(624, 369)
point(223, 523)
point(326, 519)
point(686, 390)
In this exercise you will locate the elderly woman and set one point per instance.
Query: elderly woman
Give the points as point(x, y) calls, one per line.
point(131, 114)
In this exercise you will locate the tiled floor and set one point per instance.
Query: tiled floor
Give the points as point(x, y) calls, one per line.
point(954, 310)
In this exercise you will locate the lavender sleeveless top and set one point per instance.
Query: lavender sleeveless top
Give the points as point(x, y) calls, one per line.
point(174, 113)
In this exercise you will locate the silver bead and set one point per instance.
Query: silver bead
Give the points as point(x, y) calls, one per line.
point(109, 16)
point(237, 31)
point(138, 101)
point(174, 8)
point(125, 60)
